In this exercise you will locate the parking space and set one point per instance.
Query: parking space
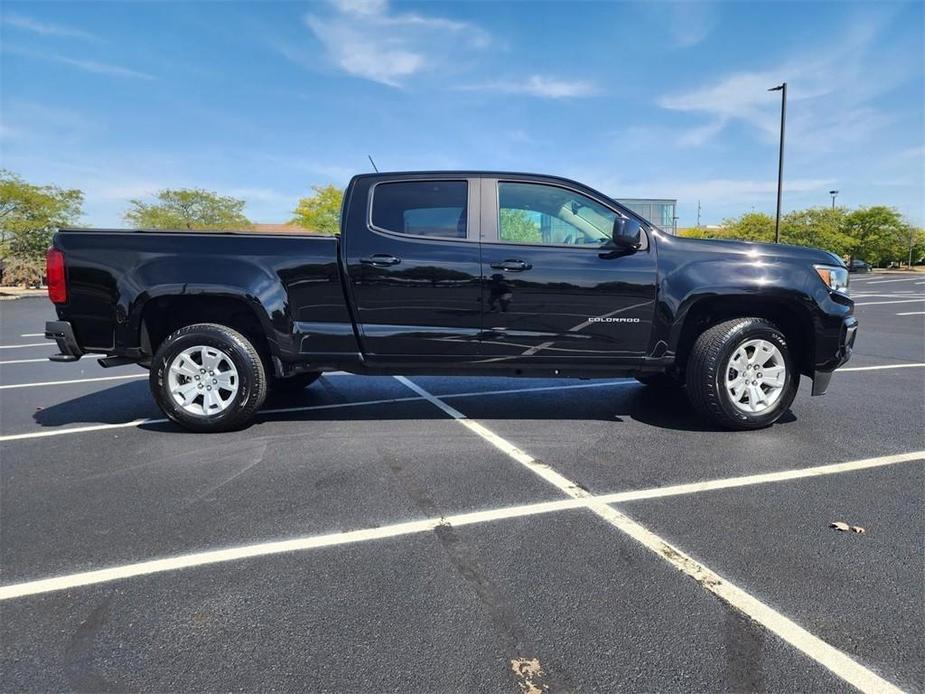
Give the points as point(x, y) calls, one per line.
point(453, 534)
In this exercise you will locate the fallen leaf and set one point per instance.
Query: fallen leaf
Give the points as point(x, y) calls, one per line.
point(839, 525)
point(858, 529)
point(529, 675)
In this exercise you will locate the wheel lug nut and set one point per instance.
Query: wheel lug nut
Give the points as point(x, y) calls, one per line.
point(208, 387)
point(199, 386)
point(214, 380)
point(197, 378)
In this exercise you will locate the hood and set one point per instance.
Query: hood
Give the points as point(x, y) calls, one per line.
point(752, 249)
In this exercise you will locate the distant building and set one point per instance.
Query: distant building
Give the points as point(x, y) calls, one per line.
point(662, 213)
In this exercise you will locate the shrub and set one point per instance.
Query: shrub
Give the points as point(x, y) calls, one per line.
point(24, 272)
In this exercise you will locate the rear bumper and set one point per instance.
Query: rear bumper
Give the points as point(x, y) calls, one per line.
point(847, 335)
point(63, 334)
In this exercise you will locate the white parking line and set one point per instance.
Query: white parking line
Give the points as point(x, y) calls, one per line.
point(308, 408)
point(237, 553)
point(880, 303)
point(23, 361)
point(72, 381)
point(826, 655)
point(912, 313)
point(299, 408)
point(880, 368)
point(764, 478)
point(892, 295)
point(31, 344)
point(33, 335)
point(902, 279)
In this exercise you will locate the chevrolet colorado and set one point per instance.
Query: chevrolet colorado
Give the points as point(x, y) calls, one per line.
point(462, 273)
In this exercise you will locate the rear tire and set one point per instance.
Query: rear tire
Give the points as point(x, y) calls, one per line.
point(740, 374)
point(208, 378)
point(293, 384)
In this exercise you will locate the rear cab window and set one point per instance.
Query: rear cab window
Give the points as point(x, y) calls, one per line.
point(435, 209)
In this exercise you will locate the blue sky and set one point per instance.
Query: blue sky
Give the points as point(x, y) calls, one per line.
point(263, 100)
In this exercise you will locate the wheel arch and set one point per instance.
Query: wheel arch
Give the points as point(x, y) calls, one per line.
point(163, 314)
point(789, 315)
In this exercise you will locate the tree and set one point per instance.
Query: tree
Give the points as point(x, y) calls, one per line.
point(320, 212)
point(878, 234)
point(818, 227)
point(29, 215)
point(751, 226)
point(516, 225)
point(187, 208)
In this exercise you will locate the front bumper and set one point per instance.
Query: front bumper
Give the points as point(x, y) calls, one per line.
point(849, 331)
point(61, 332)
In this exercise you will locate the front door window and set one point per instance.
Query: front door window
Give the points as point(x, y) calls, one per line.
point(532, 213)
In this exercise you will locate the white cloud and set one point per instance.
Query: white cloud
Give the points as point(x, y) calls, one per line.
point(832, 94)
point(542, 86)
point(726, 191)
point(688, 23)
point(44, 28)
point(366, 39)
point(82, 64)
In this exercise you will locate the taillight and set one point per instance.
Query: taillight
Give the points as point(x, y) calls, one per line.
point(54, 270)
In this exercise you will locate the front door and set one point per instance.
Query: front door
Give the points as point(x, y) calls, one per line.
point(413, 267)
point(554, 287)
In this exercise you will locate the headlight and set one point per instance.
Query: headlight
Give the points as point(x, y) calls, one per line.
point(834, 277)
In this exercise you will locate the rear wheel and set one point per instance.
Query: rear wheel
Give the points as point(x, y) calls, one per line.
point(208, 377)
point(740, 374)
point(293, 384)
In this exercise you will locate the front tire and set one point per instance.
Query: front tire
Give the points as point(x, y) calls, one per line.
point(740, 374)
point(208, 378)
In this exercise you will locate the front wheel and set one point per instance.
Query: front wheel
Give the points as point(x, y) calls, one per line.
point(208, 378)
point(740, 374)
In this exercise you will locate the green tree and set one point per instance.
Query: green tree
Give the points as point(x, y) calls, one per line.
point(320, 212)
point(918, 245)
point(29, 215)
point(187, 208)
point(516, 225)
point(751, 226)
point(878, 234)
point(818, 227)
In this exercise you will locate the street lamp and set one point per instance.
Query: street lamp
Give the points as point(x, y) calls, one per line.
point(834, 194)
point(782, 88)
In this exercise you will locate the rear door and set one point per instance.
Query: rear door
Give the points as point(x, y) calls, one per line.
point(555, 289)
point(413, 265)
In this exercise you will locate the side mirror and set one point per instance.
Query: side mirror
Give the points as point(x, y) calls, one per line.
point(627, 234)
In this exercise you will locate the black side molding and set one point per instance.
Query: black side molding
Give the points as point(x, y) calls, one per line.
point(61, 332)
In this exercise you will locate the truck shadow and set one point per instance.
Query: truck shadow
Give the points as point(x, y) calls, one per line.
point(617, 404)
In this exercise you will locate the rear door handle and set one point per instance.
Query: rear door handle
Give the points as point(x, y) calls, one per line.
point(381, 259)
point(511, 266)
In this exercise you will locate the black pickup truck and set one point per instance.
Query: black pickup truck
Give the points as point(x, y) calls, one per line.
point(462, 273)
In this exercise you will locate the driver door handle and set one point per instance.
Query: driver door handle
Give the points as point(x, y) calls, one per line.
point(512, 266)
point(380, 259)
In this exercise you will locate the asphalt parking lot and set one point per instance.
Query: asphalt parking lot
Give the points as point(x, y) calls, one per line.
point(459, 534)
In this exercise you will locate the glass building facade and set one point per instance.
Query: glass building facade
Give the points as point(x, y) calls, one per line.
point(660, 212)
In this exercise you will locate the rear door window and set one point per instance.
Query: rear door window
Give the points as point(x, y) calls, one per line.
point(421, 208)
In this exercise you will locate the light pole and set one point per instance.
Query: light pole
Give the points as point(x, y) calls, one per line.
point(834, 194)
point(782, 88)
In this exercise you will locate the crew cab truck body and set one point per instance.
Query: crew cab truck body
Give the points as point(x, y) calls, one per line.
point(459, 273)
